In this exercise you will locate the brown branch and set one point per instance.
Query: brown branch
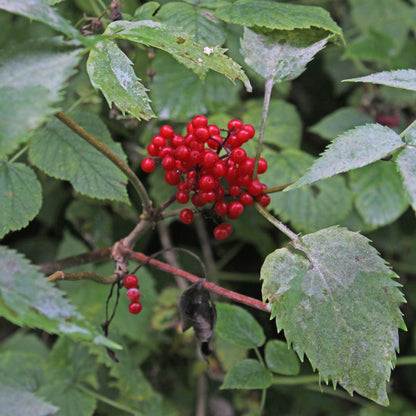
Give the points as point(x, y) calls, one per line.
point(79, 260)
point(237, 297)
point(60, 275)
point(277, 188)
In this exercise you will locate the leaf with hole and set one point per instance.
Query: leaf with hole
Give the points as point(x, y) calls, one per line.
point(338, 303)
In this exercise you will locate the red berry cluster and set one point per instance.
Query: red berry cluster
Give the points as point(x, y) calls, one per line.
point(208, 168)
point(133, 294)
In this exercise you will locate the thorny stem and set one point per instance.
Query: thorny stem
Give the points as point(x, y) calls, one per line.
point(138, 186)
point(278, 224)
point(267, 94)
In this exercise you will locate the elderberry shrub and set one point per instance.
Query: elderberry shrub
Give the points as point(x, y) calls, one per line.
point(208, 168)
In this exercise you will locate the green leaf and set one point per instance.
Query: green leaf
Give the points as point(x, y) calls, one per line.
point(61, 153)
point(40, 11)
point(281, 359)
point(281, 16)
point(284, 125)
point(379, 196)
point(279, 56)
point(339, 306)
point(308, 209)
point(351, 150)
point(27, 299)
point(195, 20)
point(238, 326)
point(146, 11)
point(32, 75)
point(406, 162)
point(373, 46)
point(197, 57)
point(390, 17)
point(20, 196)
point(339, 121)
point(400, 78)
point(17, 402)
point(216, 93)
point(248, 374)
point(111, 71)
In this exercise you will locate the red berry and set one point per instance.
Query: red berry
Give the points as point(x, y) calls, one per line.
point(135, 307)
point(182, 153)
point(166, 151)
point(196, 200)
point(195, 157)
point(238, 155)
point(166, 132)
point(263, 200)
point(190, 128)
point(247, 166)
point(148, 165)
point(218, 170)
point(234, 124)
point(243, 180)
point(182, 197)
point(222, 231)
point(235, 209)
point(172, 177)
point(254, 188)
point(199, 121)
point(246, 199)
point(130, 281)
point(202, 134)
point(262, 166)
point(219, 193)
point(243, 136)
point(234, 190)
point(168, 163)
point(152, 150)
point(209, 159)
point(133, 294)
point(186, 216)
point(176, 140)
point(207, 183)
point(213, 129)
point(221, 207)
point(159, 141)
point(214, 141)
point(234, 141)
point(250, 129)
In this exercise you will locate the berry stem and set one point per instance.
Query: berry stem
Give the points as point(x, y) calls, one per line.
point(60, 275)
point(267, 94)
point(138, 186)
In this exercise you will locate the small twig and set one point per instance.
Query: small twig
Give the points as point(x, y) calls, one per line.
point(237, 297)
point(267, 95)
point(60, 275)
point(137, 232)
point(78, 260)
point(276, 188)
point(138, 186)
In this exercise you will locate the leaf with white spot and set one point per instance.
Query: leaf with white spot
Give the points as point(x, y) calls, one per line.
point(337, 302)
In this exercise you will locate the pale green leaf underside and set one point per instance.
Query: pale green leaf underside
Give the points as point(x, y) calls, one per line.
point(275, 57)
point(62, 154)
point(281, 359)
point(378, 193)
point(283, 127)
point(248, 374)
point(400, 78)
point(406, 162)
point(111, 71)
point(20, 196)
point(238, 326)
point(308, 209)
point(339, 121)
point(18, 402)
point(272, 15)
point(196, 21)
point(40, 11)
point(340, 308)
point(181, 46)
point(26, 299)
point(32, 75)
point(352, 149)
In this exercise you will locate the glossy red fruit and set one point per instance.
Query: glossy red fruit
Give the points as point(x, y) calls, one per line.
point(246, 199)
point(133, 294)
point(263, 200)
point(182, 197)
point(254, 188)
point(159, 141)
point(172, 177)
point(221, 208)
point(148, 165)
point(199, 121)
point(234, 124)
point(235, 209)
point(166, 132)
point(135, 308)
point(262, 166)
point(168, 163)
point(238, 155)
point(130, 281)
point(222, 231)
point(250, 129)
point(186, 216)
point(176, 140)
point(207, 183)
point(152, 150)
